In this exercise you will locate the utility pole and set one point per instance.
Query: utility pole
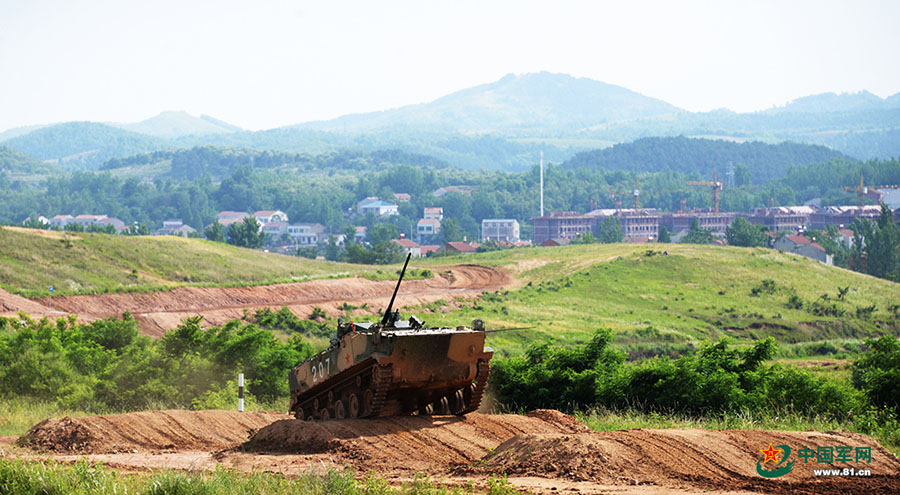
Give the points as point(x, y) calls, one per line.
point(542, 183)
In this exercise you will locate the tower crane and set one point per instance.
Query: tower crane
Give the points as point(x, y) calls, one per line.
point(715, 185)
point(862, 190)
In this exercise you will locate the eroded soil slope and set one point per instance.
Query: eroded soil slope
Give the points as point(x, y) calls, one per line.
point(161, 311)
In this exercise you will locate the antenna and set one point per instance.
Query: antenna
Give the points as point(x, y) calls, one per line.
point(542, 183)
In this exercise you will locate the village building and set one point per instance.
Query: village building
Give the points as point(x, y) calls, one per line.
point(427, 227)
point(503, 229)
point(706, 219)
point(269, 216)
point(439, 192)
point(376, 206)
point(175, 227)
point(803, 246)
point(306, 234)
point(61, 220)
point(842, 216)
point(402, 197)
point(409, 247)
point(433, 212)
point(556, 241)
point(781, 218)
point(461, 247)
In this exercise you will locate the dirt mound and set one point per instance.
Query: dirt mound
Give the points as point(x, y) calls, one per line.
point(147, 431)
point(157, 312)
point(716, 460)
point(11, 304)
point(426, 443)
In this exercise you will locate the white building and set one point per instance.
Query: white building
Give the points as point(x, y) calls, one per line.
point(307, 234)
point(428, 227)
point(499, 229)
point(378, 207)
point(269, 216)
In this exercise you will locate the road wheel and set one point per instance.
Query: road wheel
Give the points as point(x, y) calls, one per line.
point(368, 402)
point(339, 412)
point(353, 405)
point(324, 414)
point(442, 406)
point(456, 402)
point(298, 413)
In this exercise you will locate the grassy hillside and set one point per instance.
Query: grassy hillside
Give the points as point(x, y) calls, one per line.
point(655, 302)
point(33, 260)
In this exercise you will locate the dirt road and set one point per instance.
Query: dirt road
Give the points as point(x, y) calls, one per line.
point(160, 311)
point(544, 451)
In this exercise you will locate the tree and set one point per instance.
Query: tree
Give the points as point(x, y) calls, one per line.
point(215, 232)
point(664, 235)
point(585, 238)
point(246, 234)
point(697, 235)
point(743, 233)
point(883, 249)
point(450, 230)
point(611, 230)
point(307, 252)
point(382, 232)
point(332, 250)
point(136, 229)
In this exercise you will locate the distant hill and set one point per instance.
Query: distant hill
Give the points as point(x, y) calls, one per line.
point(82, 145)
point(176, 124)
point(543, 102)
point(16, 162)
point(502, 125)
point(833, 102)
point(690, 155)
point(218, 162)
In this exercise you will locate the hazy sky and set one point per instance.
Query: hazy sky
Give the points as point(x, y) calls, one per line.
point(262, 64)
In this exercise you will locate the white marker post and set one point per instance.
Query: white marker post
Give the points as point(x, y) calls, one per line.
point(240, 392)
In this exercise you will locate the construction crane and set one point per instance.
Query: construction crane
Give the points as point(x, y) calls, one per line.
point(635, 195)
point(862, 190)
point(715, 185)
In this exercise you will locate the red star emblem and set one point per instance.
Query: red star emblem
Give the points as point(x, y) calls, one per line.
point(347, 358)
point(771, 454)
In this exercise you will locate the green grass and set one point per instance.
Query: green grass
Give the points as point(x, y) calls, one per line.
point(82, 263)
point(655, 302)
point(82, 478)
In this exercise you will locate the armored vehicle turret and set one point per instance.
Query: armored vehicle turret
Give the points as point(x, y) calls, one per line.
point(393, 368)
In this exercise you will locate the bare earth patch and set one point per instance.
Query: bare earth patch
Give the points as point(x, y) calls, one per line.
point(544, 451)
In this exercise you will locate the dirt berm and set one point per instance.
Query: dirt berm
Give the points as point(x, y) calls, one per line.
point(157, 312)
point(147, 431)
point(544, 451)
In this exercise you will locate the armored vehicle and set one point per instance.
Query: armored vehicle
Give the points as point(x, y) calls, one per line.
point(393, 368)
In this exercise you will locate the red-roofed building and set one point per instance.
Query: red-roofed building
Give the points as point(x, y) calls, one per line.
point(556, 241)
point(434, 212)
point(461, 247)
point(431, 248)
point(803, 246)
point(409, 247)
point(403, 197)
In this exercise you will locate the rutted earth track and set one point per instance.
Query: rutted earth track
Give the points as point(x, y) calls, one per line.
point(545, 451)
point(160, 311)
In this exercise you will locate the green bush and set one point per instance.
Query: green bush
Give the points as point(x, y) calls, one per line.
point(877, 373)
point(716, 379)
point(108, 365)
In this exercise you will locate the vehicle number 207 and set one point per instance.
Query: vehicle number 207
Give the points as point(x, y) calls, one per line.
point(319, 372)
